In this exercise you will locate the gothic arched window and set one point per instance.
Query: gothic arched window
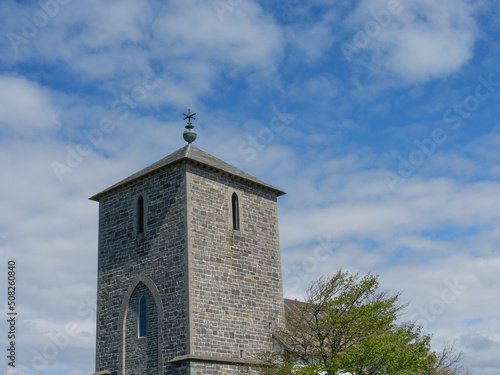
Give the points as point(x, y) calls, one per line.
point(140, 215)
point(142, 317)
point(236, 211)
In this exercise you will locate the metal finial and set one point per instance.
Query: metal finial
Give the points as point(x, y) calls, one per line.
point(189, 134)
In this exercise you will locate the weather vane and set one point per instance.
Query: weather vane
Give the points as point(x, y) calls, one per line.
point(189, 134)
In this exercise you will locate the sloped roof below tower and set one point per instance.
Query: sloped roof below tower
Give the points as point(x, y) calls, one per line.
point(193, 154)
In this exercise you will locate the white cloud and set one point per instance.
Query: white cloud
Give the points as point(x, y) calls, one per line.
point(188, 38)
point(417, 206)
point(423, 51)
point(421, 41)
point(25, 107)
point(117, 22)
point(246, 36)
point(314, 41)
point(246, 43)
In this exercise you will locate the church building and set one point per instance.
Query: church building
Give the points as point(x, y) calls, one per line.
point(189, 270)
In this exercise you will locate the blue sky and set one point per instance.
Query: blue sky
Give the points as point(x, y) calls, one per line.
point(380, 119)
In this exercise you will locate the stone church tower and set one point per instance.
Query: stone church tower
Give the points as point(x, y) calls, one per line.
point(189, 271)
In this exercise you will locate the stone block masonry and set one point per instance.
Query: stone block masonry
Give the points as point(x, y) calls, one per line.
point(212, 292)
point(235, 275)
point(158, 255)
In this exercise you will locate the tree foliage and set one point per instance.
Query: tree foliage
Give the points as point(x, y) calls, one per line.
point(347, 326)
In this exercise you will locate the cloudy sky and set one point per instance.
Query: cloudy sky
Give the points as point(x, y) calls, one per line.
point(380, 119)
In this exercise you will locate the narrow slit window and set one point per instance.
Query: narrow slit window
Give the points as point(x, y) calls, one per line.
point(140, 215)
point(236, 212)
point(142, 318)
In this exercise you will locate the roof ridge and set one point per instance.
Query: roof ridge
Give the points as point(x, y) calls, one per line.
point(188, 148)
point(194, 154)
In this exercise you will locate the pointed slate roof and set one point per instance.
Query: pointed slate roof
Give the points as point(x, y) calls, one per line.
point(192, 154)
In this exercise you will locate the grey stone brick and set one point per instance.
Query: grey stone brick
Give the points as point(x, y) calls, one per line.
point(212, 292)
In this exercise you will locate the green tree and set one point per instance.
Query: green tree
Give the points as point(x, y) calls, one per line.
point(347, 326)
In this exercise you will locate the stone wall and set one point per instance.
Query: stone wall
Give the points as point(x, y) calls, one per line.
point(159, 254)
point(142, 352)
point(207, 368)
point(214, 292)
point(235, 275)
